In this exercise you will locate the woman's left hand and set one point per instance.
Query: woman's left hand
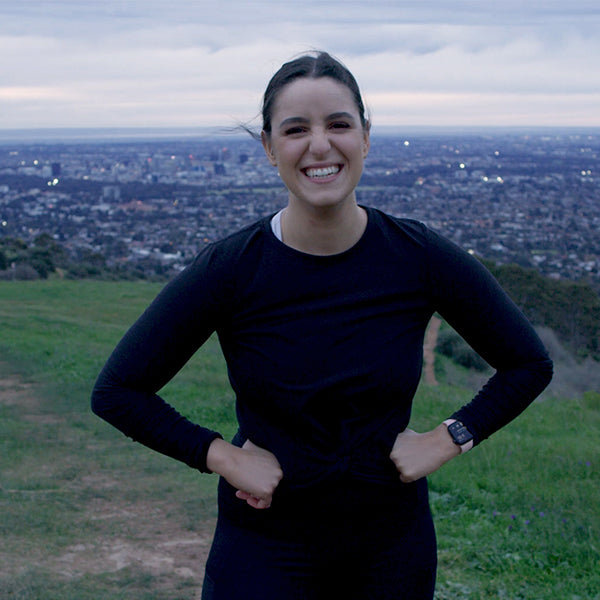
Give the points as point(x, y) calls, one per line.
point(417, 455)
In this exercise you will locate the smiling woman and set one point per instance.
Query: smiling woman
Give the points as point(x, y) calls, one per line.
point(321, 312)
point(318, 144)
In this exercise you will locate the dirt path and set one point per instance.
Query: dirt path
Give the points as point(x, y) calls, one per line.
point(119, 523)
point(428, 347)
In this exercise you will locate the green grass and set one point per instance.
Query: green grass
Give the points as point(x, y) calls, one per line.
point(517, 518)
point(59, 334)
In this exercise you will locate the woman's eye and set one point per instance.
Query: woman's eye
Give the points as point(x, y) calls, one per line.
point(340, 125)
point(293, 130)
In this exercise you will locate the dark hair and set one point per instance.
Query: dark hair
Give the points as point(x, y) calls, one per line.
point(312, 66)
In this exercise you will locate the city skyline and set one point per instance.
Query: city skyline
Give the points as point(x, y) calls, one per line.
point(205, 64)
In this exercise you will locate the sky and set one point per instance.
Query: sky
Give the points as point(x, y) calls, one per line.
point(200, 63)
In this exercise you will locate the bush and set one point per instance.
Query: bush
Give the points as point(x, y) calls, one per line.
point(450, 344)
point(569, 308)
point(83, 270)
point(20, 273)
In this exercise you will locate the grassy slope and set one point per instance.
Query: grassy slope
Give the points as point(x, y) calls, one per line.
point(517, 518)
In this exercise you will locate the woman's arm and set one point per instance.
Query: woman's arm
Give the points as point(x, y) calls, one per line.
point(154, 349)
point(475, 305)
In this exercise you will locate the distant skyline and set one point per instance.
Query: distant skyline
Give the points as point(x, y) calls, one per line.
point(205, 63)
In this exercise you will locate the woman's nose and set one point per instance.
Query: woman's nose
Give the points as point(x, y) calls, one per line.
point(319, 142)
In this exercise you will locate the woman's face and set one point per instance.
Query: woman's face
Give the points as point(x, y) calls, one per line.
point(317, 142)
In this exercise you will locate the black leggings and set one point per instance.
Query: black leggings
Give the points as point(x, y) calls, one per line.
point(350, 542)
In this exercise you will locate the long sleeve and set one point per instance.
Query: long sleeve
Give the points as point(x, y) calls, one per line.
point(155, 348)
point(323, 353)
point(475, 305)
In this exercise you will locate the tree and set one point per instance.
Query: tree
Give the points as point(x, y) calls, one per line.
point(570, 308)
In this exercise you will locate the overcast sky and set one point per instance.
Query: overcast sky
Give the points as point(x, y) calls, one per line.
point(178, 63)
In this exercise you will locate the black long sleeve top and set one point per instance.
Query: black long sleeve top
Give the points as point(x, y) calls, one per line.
point(324, 353)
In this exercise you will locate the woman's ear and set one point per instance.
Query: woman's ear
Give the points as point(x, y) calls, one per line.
point(266, 142)
point(366, 138)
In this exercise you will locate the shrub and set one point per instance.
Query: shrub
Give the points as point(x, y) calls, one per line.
point(450, 344)
point(20, 273)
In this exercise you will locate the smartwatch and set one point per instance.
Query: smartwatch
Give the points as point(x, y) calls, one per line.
point(460, 435)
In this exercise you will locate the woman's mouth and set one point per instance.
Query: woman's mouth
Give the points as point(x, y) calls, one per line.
point(321, 172)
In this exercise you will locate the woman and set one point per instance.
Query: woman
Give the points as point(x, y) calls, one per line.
point(321, 312)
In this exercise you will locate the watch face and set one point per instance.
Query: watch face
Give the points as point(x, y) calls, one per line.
point(460, 434)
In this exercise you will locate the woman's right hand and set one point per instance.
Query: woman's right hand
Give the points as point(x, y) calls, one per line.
point(253, 471)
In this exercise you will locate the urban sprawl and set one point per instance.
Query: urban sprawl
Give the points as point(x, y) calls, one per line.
point(531, 199)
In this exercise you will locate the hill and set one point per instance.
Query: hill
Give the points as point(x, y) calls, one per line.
point(87, 514)
point(569, 308)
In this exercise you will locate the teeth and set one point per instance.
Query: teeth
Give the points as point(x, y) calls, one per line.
point(324, 172)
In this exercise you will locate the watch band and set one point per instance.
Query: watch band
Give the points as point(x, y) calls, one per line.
point(463, 447)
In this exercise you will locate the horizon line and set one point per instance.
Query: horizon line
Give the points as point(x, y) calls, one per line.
point(94, 134)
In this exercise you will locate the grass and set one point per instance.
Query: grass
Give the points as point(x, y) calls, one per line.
point(516, 519)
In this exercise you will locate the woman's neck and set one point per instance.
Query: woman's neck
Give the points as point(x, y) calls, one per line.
point(323, 231)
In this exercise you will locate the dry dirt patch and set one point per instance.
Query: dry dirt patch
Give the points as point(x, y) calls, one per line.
point(14, 391)
point(149, 536)
point(161, 555)
point(143, 534)
point(431, 337)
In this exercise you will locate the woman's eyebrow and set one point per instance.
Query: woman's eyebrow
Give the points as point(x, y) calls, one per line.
point(340, 115)
point(293, 121)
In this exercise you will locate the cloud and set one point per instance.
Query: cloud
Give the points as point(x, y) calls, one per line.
point(123, 63)
point(476, 109)
point(524, 64)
